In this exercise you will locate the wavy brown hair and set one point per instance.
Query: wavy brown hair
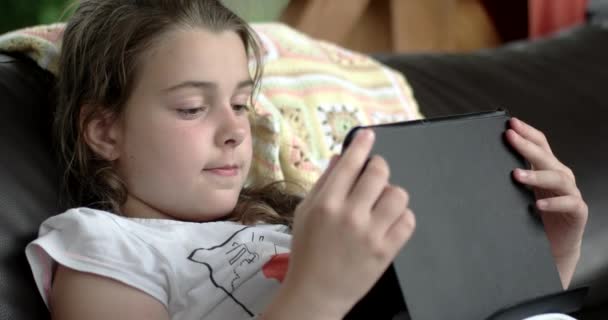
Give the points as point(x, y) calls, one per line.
point(101, 47)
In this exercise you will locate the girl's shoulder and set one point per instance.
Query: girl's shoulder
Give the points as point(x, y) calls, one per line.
point(113, 246)
point(88, 225)
point(80, 223)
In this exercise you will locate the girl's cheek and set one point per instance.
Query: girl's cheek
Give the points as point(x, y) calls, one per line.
point(187, 144)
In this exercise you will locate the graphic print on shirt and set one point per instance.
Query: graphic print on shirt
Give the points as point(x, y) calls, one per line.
point(237, 256)
point(276, 267)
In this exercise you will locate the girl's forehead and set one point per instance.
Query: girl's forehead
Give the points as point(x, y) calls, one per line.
point(194, 54)
point(197, 44)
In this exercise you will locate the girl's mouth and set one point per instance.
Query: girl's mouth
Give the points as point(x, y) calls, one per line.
point(224, 171)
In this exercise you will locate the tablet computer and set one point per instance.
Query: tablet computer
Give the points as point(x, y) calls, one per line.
point(478, 244)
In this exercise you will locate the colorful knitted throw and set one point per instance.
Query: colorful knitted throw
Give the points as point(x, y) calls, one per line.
point(312, 93)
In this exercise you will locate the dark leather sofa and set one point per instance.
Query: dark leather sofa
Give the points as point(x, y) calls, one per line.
point(559, 85)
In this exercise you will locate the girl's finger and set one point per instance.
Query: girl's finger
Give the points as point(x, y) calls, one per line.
point(557, 182)
point(527, 131)
point(371, 183)
point(390, 205)
point(323, 177)
point(572, 205)
point(402, 229)
point(538, 157)
point(347, 169)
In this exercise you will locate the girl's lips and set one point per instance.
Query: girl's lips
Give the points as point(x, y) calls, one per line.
point(224, 171)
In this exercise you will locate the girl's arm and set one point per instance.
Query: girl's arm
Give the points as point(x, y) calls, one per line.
point(78, 295)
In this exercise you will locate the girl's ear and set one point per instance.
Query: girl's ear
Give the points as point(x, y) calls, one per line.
point(102, 133)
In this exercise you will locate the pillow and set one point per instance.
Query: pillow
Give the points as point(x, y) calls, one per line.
point(312, 93)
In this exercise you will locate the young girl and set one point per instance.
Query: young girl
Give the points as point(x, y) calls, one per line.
point(153, 124)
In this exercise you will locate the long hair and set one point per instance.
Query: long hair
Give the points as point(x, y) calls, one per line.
point(101, 48)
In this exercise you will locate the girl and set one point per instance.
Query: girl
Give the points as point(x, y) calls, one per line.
point(153, 124)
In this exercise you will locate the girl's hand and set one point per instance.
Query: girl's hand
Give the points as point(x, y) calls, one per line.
point(346, 232)
point(559, 202)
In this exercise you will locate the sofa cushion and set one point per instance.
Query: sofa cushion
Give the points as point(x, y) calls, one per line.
point(28, 180)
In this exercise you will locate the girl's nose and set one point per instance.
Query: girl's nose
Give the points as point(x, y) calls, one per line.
point(232, 128)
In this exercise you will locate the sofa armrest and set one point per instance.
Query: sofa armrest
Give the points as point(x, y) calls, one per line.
point(28, 180)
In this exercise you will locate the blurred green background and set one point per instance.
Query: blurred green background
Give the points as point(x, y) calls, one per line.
point(22, 13)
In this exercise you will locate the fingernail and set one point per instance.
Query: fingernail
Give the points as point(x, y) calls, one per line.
point(366, 133)
point(360, 133)
point(522, 173)
point(542, 204)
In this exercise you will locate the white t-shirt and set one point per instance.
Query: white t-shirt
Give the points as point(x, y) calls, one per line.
point(213, 270)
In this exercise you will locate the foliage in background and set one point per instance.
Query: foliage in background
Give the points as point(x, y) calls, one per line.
point(257, 10)
point(23, 13)
point(16, 14)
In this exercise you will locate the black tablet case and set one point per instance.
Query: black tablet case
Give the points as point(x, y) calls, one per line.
point(478, 245)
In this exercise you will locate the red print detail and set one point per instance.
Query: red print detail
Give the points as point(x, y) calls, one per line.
point(276, 267)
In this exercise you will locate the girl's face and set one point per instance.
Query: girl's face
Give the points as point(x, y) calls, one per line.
point(184, 141)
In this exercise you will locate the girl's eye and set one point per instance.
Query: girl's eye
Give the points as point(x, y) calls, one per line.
point(190, 113)
point(240, 108)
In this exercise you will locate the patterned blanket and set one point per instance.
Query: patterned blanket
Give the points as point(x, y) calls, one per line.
point(312, 93)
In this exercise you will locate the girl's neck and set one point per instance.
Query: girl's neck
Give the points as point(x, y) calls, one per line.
point(135, 208)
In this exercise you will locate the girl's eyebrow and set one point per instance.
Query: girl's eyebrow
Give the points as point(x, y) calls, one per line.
point(206, 85)
point(245, 84)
